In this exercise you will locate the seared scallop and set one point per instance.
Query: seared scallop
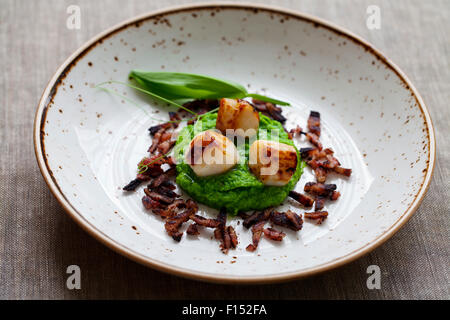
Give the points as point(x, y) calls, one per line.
point(273, 163)
point(211, 153)
point(237, 115)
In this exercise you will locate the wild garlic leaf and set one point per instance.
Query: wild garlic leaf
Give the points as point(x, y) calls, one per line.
point(173, 85)
point(177, 87)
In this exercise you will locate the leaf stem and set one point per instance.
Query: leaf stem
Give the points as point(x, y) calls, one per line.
point(267, 99)
point(150, 94)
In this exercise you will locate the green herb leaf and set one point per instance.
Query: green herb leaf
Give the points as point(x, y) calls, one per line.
point(267, 99)
point(181, 86)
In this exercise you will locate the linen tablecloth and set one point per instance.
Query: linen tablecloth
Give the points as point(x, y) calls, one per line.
point(38, 240)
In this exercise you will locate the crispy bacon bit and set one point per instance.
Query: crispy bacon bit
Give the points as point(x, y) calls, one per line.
point(150, 167)
point(320, 203)
point(165, 146)
point(328, 162)
point(155, 183)
point(158, 197)
point(319, 189)
point(166, 192)
point(165, 136)
point(287, 219)
point(221, 232)
point(343, 171)
point(222, 216)
point(319, 216)
point(173, 209)
point(153, 130)
point(269, 109)
point(233, 236)
point(257, 231)
point(335, 195)
point(209, 223)
point(151, 204)
point(161, 137)
point(156, 140)
point(132, 185)
point(275, 112)
point(191, 204)
point(193, 230)
point(257, 217)
point(314, 123)
point(173, 224)
point(151, 172)
point(321, 174)
point(314, 139)
point(174, 118)
point(226, 235)
point(296, 132)
point(200, 105)
point(273, 234)
point(303, 199)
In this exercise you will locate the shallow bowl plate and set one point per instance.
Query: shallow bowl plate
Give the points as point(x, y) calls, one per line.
point(89, 141)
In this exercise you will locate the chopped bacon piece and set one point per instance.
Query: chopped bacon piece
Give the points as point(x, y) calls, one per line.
point(165, 136)
point(257, 217)
point(168, 184)
point(165, 146)
point(343, 171)
point(273, 234)
point(295, 220)
point(191, 204)
point(275, 112)
point(320, 203)
point(314, 153)
point(296, 132)
point(196, 105)
point(151, 167)
point(151, 172)
point(233, 236)
point(314, 139)
point(257, 230)
point(222, 216)
point(173, 208)
point(153, 130)
point(209, 223)
point(303, 199)
point(321, 174)
point(132, 185)
point(335, 195)
point(174, 119)
point(165, 191)
point(319, 189)
point(173, 224)
point(155, 183)
point(158, 197)
point(226, 235)
point(314, 123)
point(328, 162)
point(269, 109)
point(218, 234)
point(287, 219)
point(225, 241)
point(156, 139)
point(151, 204)
point(193, 229)
point(319, 216)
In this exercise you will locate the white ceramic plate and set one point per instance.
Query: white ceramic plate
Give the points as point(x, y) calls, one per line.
point(88, 141)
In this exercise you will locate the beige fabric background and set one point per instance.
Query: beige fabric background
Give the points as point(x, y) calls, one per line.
point(38, 240)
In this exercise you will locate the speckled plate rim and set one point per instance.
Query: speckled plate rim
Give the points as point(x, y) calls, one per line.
point(63, 70)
